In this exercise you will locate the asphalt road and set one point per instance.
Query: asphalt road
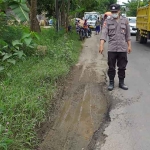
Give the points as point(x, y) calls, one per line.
point(129, 128)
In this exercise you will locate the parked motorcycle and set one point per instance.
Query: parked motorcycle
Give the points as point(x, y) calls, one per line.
point(89, 31)
point(82, 33)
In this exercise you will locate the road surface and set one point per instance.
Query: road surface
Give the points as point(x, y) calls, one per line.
point(83, 105)
point(92, 118)
point(129, 128)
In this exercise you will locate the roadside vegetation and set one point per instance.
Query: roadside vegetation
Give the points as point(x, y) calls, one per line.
point(28, 86)
point(132, 6)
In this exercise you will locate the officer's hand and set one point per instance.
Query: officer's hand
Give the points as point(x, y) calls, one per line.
point(129, 50)
point(101, 49)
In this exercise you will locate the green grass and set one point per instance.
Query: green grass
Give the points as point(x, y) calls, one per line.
point(26, 93)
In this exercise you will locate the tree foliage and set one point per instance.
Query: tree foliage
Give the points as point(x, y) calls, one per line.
point(103, 5)
point(18, 7)
point(133, 5)
point(80, 6)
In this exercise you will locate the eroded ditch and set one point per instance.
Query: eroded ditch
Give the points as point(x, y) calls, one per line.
point(82, 111)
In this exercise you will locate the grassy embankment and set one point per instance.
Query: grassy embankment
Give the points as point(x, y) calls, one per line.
point(26, 93)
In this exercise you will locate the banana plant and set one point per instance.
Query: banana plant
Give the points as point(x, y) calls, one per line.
point(20, 9)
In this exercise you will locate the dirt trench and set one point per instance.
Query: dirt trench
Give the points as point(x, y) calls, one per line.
point(84, 108)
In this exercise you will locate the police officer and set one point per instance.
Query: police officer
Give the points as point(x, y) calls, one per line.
point(117, 29)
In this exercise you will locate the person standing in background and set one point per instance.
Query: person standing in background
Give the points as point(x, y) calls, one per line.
point(85, 26)
point(97, 24)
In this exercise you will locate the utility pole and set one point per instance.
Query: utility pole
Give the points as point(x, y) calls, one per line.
point(57, 15)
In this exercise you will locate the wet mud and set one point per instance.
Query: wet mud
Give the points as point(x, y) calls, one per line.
point(84, 108)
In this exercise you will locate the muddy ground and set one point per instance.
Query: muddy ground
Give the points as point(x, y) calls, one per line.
point(83, 108)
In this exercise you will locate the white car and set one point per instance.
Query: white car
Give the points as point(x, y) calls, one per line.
point(132, 23)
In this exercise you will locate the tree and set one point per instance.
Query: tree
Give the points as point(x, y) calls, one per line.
point(133, 5)
point(73, 8)
point(34, 25)
point(63, 21)
point(57, 14)
point(104, 5)
point(19, 8)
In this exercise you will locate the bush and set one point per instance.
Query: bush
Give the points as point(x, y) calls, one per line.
point(27, 90)
point(16, 43)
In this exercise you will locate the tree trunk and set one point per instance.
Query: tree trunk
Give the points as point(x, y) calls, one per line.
point(34, 24)
point(59, 18)
point(57, 15)
point(63, 19)
point(67, 18)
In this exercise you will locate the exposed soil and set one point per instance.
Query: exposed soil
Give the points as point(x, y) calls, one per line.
point(82, 106)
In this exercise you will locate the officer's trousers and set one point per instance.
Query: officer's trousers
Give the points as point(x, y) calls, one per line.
point(119, 58)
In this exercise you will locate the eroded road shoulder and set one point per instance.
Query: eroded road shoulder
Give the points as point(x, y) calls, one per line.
point(84, 105)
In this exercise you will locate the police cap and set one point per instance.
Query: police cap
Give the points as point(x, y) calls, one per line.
point(114, 7)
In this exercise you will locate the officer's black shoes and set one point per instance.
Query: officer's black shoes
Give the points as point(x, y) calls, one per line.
point(122, 85)
point(111, 85)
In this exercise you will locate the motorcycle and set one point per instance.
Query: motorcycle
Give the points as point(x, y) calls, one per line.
point(82, 33)
point(89, 31)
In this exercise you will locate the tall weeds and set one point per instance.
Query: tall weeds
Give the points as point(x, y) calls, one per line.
point(27, 90)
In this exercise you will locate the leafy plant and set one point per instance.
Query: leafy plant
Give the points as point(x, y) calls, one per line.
point(14, 51)
point(5, 141)
point(27, 90)
point(19, 7)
